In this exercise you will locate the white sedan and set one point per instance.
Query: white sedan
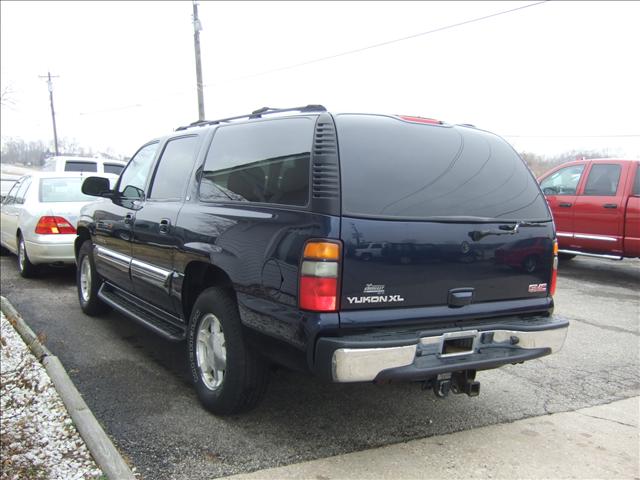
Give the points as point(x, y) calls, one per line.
point(39, 218)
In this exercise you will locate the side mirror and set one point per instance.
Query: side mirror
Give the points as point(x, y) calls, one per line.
point(97, 187)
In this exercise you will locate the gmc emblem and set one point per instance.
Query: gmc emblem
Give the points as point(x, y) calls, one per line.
point(537, 288)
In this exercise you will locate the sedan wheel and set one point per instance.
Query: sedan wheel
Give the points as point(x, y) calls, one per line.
point(25, 267)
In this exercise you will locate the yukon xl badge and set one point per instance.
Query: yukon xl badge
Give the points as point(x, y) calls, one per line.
point(379, 296)
point(537, 288)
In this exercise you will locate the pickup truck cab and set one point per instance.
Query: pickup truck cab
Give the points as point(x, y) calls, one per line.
point(596, 207)
point(246, 237)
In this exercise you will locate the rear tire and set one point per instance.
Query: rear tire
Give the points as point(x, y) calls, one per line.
point(25, 267)
point(88, 282)
point(229, 377)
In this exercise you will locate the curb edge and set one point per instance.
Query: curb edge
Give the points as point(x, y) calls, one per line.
point(99, 444)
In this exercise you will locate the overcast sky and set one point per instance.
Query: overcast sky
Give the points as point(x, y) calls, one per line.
point(552, 77)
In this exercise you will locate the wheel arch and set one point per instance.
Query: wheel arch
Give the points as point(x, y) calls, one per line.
point(83, 235)
point(199, 276)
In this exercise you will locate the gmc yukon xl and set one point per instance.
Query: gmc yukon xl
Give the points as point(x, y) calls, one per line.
point(245, 237)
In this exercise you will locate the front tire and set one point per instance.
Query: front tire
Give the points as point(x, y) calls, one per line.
point(88, 282)
point(228, 376)
point(25, 267)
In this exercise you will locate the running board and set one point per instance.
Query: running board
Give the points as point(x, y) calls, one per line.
point(597, 255)
point(142, 312)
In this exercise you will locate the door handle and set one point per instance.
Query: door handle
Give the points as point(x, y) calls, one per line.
point(128, 218)
point(610, 205)
point(565, 205)
point(165, 224)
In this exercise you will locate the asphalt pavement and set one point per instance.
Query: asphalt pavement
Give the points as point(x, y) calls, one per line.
point(138, 387)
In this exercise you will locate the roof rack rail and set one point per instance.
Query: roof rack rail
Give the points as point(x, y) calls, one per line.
point(255, 114)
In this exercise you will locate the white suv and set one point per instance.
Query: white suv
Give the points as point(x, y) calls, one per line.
point(83, 164)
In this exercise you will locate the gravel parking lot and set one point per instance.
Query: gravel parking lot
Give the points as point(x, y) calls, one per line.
point(138, 386)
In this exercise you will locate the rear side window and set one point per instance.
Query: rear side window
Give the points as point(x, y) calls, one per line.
point(396, 169)
point(174, 168)
point(22, 191)
point(62, 190)
point(71, 166)
point(603, 180)
point(11, 196)
point(265, 162)
point(113, 168)
point(636, 183)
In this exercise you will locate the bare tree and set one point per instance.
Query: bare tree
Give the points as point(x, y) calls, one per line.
point(6, 96)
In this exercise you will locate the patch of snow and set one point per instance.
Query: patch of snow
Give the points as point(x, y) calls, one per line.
point(38, 438)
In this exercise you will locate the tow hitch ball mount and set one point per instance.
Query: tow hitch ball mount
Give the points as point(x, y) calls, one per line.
point(456, 382)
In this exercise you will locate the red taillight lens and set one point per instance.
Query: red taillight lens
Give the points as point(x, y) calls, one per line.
point(428, 121)
point(319, 274)
point(54, 225)
point(319, 294)
point(554, 271)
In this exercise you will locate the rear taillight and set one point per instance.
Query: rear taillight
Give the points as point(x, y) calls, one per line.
point(554, 270)
point(319, 275)
point(54, 225)
point(428, 121)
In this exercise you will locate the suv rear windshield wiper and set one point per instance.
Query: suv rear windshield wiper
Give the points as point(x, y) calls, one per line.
point(506, 229)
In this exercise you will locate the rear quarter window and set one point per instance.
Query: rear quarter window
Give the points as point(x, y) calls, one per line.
point(263, 162)
point(80, 167)
point(113, 168)
point(396, 169)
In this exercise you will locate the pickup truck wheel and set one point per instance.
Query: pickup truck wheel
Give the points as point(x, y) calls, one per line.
point(229, 377)
point(89, 282)
point(25, 267)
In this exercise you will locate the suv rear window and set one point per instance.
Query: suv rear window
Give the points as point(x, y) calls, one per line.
point(80, 166)
point(113, 168)
point(397, 169)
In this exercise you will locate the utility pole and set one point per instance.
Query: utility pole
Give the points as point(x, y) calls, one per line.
point(53, 113)
point(197, 27)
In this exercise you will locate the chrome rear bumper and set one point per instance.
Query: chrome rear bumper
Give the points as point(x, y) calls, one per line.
point(428, 356)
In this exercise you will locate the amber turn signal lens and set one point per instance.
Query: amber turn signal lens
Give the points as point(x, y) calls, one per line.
point(322, 250)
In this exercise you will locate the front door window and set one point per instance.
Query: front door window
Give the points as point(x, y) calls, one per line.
point(563, 182)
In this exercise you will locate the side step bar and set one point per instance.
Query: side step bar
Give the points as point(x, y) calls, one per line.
point(597, 255)
point(142, 312)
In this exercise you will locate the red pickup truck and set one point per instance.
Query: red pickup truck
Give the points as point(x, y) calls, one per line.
point(596, 207)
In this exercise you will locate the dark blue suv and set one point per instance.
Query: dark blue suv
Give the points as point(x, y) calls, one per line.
point(361, 248)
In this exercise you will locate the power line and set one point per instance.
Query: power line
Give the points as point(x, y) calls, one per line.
point(388, 42)
point(350, 52)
